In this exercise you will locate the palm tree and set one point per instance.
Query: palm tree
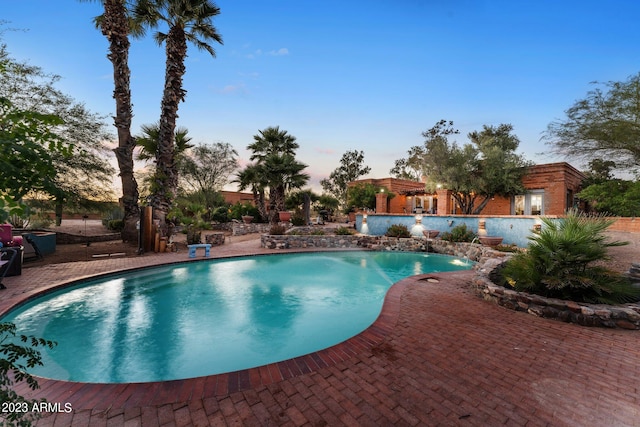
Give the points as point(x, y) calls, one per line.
point(252, 177)
point(283, 173)
point(114, 24)
point(148, 142)
point(187, 21)
point(272, 140)
point(276, 166)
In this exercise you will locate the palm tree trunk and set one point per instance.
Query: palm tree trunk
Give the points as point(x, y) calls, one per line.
point(115, 27)
point(166, 177)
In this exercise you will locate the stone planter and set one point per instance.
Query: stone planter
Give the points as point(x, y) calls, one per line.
point(490, 240)
point(247, 219)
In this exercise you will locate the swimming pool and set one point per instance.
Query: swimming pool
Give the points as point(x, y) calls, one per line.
point(195, 319)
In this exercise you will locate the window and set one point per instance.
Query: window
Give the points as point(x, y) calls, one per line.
point(528, 204)
point(518, 205)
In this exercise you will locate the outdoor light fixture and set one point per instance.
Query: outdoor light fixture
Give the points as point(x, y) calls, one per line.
point(537, 226)
point(418, 219)
point(482, 224)
point(364, 218)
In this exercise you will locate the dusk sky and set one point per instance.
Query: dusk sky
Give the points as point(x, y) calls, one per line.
point(352, 75)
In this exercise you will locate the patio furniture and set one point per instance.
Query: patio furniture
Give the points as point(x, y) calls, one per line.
point(7, 257)
point(192, 249)
point(8, 240)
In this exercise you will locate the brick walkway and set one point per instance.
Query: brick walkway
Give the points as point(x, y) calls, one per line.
point(437, 356)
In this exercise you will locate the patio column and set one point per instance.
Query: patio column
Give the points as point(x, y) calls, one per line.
point(381, 202)
point(444, 202)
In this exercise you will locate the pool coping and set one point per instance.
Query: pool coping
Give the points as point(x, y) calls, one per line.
point(99, 396)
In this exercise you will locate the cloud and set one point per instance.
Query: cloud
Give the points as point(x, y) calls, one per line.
point(237, 88)
point(280, 52)
point(283, 51)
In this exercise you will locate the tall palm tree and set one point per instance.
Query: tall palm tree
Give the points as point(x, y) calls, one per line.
point(115, 26)
point(187, 21)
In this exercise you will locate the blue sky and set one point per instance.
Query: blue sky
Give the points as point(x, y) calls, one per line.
point(343, 75)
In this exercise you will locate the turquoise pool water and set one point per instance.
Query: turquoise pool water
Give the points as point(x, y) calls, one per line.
point(204, 318)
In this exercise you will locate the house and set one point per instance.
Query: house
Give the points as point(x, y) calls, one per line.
point(233, 197)
point(551, 190)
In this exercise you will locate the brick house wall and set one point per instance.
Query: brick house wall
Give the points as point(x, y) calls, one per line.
point(559, 182)
point(234, 197)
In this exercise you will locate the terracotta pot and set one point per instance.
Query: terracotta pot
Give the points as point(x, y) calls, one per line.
point(284, 216)
point(247, 219)
point(430, 234)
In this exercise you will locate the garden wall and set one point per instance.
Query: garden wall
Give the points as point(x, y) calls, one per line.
point(513, 229)
point(631, 225)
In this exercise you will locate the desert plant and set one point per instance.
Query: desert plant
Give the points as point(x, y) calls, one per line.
point(277, 229)
point(298, 220)
point(111, 215)
point(238, 210)
point(14, 361)
point(559, 263)
point(343, 231)
point(220, 214)
point(116, 225)
point(398, 230)
point(459, 233)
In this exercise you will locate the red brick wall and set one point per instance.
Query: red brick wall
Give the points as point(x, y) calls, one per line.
point(631, 225)
point(234, 197)
point(498, 206)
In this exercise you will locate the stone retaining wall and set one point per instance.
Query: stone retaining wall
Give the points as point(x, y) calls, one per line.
point(215, 239)
point(473, 252)
point(240, 229)
point(68, 239)
point(625, 316)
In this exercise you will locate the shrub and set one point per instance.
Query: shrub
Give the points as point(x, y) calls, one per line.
point(298, 220)
point(238, 210)
point(220, 214)
point(277, 229)
point(343, 231)
point(317, 233)
point(559, 263)
point(111, 215)
point(398, 230)
point(116, 225)
point(459, 233)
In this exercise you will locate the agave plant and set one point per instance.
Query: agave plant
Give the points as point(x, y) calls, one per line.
point(560, 262)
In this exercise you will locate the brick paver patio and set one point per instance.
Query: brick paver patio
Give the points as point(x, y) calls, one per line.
point(438, 355)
